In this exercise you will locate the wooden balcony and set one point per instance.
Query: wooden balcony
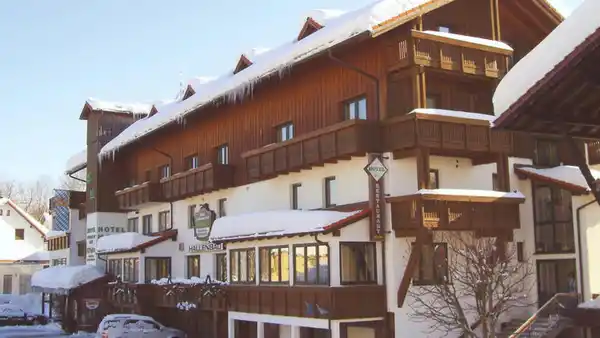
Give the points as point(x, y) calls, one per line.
point(363, 301)
point(593, 148)
point(327, 145)
point(485, 215)
point(133, 198)
point(449, 54)
point(445, 135)
point(201, 180)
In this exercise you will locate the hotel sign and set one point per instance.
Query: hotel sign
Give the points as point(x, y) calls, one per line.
point(377, 170)
point(203, 221)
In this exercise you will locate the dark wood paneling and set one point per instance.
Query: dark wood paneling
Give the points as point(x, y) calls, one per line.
point(207, 178)
point(133, 197)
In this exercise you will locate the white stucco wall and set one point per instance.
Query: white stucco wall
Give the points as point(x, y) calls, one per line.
point(11, 249)
point(20, 275)
point(99, 224)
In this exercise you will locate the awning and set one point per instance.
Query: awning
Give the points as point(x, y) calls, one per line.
point(63, 279)
point(284, 223)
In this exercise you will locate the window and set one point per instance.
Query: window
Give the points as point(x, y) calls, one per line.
point(191, 162)
point(164, 171)
point(546, 153)
point(164, 220)
point(1, 212)
point(131, 270)
point(221, 267)
point(329, 190)
point(147, 176)
point(8, 212)
point(432, 267)
point(132, 225)
point(192, 266)
point(81, 249)
point(520, 252)
point(358, 262)
point(7, 284)
point(115, 267)
point(223, 154)
point(156, 268)
point(285, 132)
point(274, 265)
point(60, 261)
point(242, 265)
point(147, 224)
point(222, 207)
point(311, 264)
point(495, 182)
point(356, 109)
point(432, 101)
point(444, 29)
point(19, 234)
point(295, 189)
point(191, 212)
point(553, 225)
point(434, 179)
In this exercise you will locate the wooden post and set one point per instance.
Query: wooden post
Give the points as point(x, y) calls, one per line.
point(422, 168)
point(503, 172)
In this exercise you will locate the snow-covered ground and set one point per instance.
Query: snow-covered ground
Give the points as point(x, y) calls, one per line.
point(30, 303)
point(49, 331)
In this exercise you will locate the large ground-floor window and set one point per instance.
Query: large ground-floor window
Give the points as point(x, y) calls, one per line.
point(157, 268)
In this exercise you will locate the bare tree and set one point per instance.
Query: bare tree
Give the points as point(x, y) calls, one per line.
point(475, 280)
point(31, 196)
point(75, 182)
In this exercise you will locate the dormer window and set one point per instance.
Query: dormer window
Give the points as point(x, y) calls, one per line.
point(242, 64)
point(310, 26)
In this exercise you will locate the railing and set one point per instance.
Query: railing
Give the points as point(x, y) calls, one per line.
point(593, 149)
point(552, 309)
point(133, 197)
point(204, 179)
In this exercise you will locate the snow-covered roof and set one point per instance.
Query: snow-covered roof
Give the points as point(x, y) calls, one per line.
point(454, 113)
point(470, 193)
point(62, 279)
point(76, 162)
point(548, 54)
point(118, 107)
point(590, 304)
point(38, 256)
point(369, 19)
point(566, 175)
point(323, 16)
point(130, 241)
point(470, 39)
point(55, 233)
point(30, 219)
point(268, 224)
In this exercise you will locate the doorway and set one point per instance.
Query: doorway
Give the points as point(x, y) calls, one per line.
point(553, 277)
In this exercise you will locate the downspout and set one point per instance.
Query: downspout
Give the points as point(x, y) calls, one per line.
point(170, 172)
point(377, 116)
point(580, 251)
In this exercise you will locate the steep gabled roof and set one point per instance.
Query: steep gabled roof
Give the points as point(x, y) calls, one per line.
point(310, 26)
point(141, 109)
point(36, 225)
point(242, 64)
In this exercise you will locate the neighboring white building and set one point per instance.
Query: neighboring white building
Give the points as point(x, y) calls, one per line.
point(22, 249)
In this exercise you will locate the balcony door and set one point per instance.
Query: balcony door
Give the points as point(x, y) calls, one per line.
point(555, 276)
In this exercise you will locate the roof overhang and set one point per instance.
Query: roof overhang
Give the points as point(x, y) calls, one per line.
point(565, 177)
point(159, 238)
point(460, 195)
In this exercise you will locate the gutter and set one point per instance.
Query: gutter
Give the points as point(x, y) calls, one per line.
point(579, 240)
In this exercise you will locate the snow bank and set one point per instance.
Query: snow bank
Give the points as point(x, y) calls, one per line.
point(548, 54)
point(61, 279)
point(30, 303)
point(454, 113)
point(474, 193)
point(565, 173)
point(275, 223)
point(121, 242)
point(55, 233)
point(277, 61)
point(77, 161)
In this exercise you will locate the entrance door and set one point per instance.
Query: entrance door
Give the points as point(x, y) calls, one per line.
point(554, 277)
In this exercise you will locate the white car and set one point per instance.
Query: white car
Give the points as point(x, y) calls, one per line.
point(135, 326)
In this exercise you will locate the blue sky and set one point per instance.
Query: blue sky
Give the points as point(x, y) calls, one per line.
point(55, 54)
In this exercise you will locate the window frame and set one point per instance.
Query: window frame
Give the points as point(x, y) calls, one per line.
point(269, 249)
point(19, 234)
point(222, 207)
point(192, 261)
point(285, 130)
point(150, 225)
point(166, 214)
point(546, 162)
point(81, 248)
point(553, 223)
point(416, 278)
point(133, 223)
point(115, 264)
point(294, 203)
point(305, 246)
point(373, 245)
point(7, 212)
point(223, 154)
point(355, 114)
point(191, 211)
point(155, 259)
point(328, 192)
point(191, 162)
point(164, 172)
point(495, 182)
point(436, 174)
point(232, 255)
point(221, 271)
point(135, 272)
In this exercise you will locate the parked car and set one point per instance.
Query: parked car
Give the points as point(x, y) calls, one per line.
point(11, 314)
point(135, 326)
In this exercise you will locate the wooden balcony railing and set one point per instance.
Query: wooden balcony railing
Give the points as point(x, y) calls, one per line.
point(593, 149)
point(445, 135)
point(133, 197)
point(361, 301)
point(336, 142)
point(204, 179)
point(454, 213)
point(442, 52)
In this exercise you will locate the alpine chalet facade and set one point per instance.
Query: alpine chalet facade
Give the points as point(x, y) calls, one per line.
point(307, 194)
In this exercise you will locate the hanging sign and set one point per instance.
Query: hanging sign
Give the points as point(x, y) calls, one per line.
point(377, 170)
point(203, 221)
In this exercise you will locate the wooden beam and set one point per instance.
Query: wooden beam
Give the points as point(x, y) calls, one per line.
point(503, 172)
point(423, 167)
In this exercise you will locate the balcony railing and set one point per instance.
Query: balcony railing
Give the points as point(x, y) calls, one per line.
point(132, 198)
point(364, 301)
point(454, 213)
point(201, 180)
point(445, 135)
point(337, 142)
point(447, 53)
point(593, 148)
